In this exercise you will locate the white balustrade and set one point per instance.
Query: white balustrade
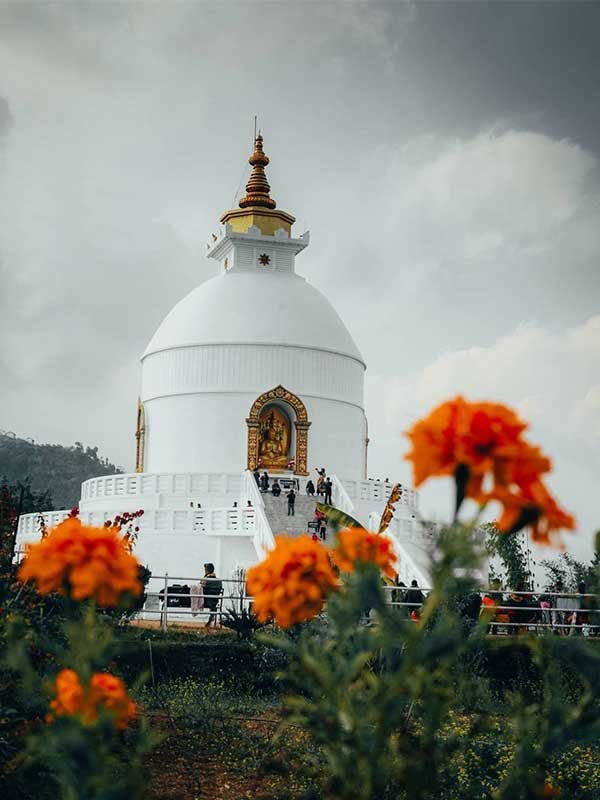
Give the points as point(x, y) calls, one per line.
point(29, 524)
point(379, 491)
point(406, 566)
point(145, 483)
point(209, 521)
point(263, 535)
point(339, 496)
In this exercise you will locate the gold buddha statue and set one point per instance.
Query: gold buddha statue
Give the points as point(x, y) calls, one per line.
point(274, 440)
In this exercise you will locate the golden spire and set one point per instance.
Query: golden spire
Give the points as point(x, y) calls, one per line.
point(257, 208)
point(257, 188)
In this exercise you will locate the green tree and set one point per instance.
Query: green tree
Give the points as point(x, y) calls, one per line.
point(568, 572)
point(513, 554)
point(51, 467)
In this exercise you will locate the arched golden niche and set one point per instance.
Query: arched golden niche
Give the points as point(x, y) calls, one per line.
point(270, 432)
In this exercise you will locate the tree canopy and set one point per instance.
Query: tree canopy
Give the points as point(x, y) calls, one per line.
point(51, 468)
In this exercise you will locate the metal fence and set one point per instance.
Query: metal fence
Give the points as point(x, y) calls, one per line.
point(563, 613)
point(537, 613)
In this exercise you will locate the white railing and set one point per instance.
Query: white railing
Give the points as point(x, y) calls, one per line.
point(408, 570)
point(29, 524)
point(263, 535)
point(374, 521)
point(211, 521)
point(147, 483)
point(379, 491)
point(339, 496)
point(406, 567)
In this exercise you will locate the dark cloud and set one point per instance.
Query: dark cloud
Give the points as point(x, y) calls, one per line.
point(535, 63)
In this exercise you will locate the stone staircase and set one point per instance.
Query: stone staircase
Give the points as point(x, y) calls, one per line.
point(276, 511)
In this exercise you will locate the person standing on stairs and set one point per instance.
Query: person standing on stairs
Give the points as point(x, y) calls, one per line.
point(321, 481)
point(291, 496)
point(328, 490)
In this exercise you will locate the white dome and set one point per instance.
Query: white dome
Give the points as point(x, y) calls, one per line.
point(255, 308)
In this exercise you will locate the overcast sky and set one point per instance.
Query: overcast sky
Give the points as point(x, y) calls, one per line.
point(444, 157)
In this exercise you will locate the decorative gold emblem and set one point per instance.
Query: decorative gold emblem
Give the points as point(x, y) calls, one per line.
point(264, 259)
point(269, 432)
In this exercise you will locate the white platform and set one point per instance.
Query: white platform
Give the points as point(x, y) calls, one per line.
point(230, 528)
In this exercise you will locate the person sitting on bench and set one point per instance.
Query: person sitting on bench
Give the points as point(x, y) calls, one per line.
point(212, 589)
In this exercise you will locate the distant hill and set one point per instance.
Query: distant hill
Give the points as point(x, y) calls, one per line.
point(51, 468)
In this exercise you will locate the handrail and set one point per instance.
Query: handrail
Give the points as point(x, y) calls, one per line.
point(340, 497)
point(263, 535)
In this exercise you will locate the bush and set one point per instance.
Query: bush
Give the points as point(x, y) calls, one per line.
point(248, 664)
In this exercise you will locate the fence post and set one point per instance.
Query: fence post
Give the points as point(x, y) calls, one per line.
point(166, 602)
point(151, 661)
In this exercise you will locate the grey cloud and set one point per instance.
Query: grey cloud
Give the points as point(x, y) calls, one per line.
point(5, 117)
point(131, 126)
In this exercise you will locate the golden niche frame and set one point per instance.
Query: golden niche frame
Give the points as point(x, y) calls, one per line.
point(301, 424)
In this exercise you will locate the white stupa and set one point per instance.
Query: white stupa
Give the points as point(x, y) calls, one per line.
point(252, 370)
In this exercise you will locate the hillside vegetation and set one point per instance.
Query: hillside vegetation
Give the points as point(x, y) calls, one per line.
point(51, 468)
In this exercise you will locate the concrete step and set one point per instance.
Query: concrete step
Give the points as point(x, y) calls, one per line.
point(276, 511)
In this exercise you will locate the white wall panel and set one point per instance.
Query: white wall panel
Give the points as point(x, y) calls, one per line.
point(252, 368)
point(208, 433)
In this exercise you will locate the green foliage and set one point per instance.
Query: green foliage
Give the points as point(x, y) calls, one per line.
point(514, 556)
point(133, 604)
point(243, 622)
point(250, 664)
point(197, 702)
point(399, 710)
point(51, 468)
point(81, 760)
point(218, 726)
point(16, 499)
point(568, 572)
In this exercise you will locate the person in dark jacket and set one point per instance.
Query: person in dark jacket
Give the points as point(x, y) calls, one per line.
point(328, 490)
point(415, 597)
point(212, 589)
point(291, 497)
point(276, 488)
point(399, 596)
point(310, 488)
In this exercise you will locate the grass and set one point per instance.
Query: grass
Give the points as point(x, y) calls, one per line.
point(220, 740)
point(223, 742)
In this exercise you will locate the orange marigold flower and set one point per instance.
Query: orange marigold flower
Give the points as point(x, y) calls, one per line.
point(358, 545)
point(105, 691)
point(292, 582)
point(458, 433)
point(109, 691)
point(70, 697)
point(82, 562)
point(534, 506)
point(523, 468)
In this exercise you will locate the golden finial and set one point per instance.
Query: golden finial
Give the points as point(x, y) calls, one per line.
point(257, 188)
